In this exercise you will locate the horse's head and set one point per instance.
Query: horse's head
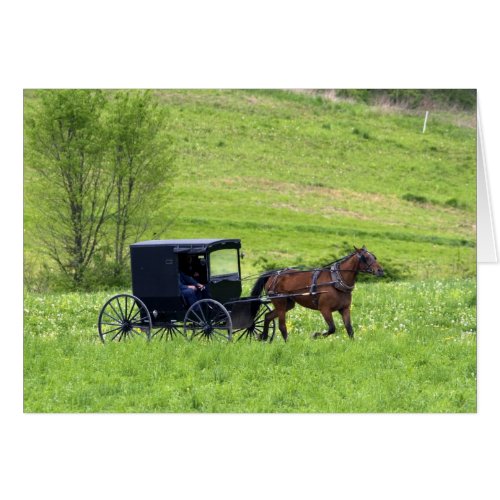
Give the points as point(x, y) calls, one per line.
point(368, 262)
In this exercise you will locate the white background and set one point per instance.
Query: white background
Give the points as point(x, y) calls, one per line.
point(259, 44)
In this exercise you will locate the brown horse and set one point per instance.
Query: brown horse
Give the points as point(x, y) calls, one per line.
point(327, 289)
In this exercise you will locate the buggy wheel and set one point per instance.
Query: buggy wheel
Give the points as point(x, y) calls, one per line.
point(168, 331)
point(124, 317)
point(255, 331)
point(208, 319)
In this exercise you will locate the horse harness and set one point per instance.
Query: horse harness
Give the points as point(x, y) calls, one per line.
point(337, 282)
point(276, 274)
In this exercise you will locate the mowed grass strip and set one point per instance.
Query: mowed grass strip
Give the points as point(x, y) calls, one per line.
point(415, 351)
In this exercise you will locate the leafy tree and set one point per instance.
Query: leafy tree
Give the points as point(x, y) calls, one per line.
point(65, 146)
point(141, 158)
point(101, 164)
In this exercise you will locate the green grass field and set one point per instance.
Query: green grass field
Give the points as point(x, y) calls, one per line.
point(300, 180)
point(414, 352)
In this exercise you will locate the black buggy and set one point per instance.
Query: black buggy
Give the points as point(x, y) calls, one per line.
point(157, 309)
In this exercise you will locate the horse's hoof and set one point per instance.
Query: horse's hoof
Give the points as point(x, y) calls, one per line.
point(320, 335)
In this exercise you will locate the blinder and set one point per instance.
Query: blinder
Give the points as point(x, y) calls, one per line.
point(364, 260)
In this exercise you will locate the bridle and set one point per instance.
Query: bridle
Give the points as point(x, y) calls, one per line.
point(361, 258)
point(336, 273)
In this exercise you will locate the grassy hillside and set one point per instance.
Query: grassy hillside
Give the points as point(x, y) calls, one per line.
point(300, 180)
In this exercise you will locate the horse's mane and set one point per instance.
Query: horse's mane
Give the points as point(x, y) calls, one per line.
point(342, 259)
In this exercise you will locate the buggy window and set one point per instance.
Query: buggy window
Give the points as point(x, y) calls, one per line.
point(224, 262)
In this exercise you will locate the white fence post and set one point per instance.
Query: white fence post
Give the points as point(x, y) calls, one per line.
point(425, 121)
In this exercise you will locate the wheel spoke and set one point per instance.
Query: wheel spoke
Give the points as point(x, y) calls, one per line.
point(141, 334)
point(111, 317)
point(130, 316)
point(139, 324)
point(202, 314)
point(135, 314)
point(260, 314)
point(200, 321)
point(118, 333)
point(115, 311)
point(157, 333)
point(222, 323)
point(220, 316)
point(112, 330)
point(174, 330)
point(110, 324)
point(143, 330)
point(120, 306)
point(131, 308)
point(242, 334)
point(169, 331)
point(216, 331)
point(196, 326)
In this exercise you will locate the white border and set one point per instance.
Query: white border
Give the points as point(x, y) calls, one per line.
point(259, 44)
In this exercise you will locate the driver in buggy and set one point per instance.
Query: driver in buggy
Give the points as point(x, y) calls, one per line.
point(191, 289)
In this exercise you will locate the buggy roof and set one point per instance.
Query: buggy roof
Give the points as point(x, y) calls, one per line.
point(191, 245)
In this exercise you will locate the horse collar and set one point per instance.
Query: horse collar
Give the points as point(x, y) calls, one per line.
point(337, 280)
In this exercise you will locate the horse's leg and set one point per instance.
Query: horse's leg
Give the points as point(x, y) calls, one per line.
point(346, 317)
point(267, 320)
point(282, 323)
point(327, 315)
point(290, 304)
point(281, 306)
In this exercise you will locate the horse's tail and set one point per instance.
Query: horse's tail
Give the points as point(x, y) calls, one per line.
point(259, 284)
point(257, 290)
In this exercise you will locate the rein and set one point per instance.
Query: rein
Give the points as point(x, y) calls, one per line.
point(289, 270)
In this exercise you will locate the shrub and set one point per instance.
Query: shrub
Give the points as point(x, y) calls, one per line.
point(415, 198)
point(414, 98)
point(453, 202)
point(360, 95)
point(361, 133)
